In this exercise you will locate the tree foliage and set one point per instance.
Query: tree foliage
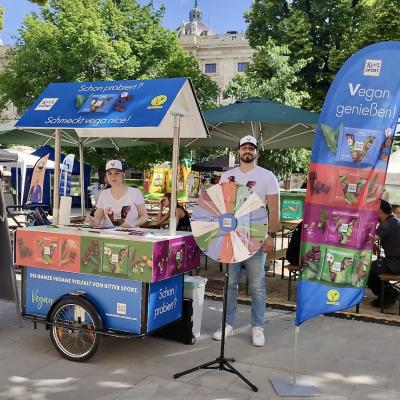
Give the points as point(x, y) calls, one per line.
point(376, 21)
point(143, 157)
point(40, 2)
point(311, 29)
point(87, 40)
point(1, 17)
point(324, 32)
point(286, 161)
point(272, 75)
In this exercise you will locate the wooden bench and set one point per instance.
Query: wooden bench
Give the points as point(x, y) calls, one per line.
point(294, 271)
point(386, 280)
point(276, 256)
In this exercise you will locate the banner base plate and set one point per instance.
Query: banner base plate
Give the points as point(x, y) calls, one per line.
point(302, 388)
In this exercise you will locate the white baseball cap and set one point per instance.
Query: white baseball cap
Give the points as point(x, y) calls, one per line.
point(114, 164)
point(248, 140)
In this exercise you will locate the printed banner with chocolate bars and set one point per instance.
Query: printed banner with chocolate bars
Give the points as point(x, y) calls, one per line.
point(346, 180)
point(66, 175)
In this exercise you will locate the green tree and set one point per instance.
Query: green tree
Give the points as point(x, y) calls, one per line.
point(143, 157)
point(286, 161)
point(376, 21)
point(139, 158)
point(1, 18)
point(86, 40)
point(311, 29)
point(272, 75)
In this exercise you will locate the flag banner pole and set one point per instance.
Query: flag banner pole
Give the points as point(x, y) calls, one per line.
point(296, 334)
point(294, 387)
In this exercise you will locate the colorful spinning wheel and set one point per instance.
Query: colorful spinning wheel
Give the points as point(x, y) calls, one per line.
point(229, 224)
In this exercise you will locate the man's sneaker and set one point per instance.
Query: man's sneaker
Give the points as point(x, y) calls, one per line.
point(228, 332)
point(258, 336)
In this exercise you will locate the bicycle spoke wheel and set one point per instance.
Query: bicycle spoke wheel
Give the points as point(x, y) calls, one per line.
point(73, 335)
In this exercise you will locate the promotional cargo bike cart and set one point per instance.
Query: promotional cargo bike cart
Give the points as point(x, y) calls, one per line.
point(86, 282)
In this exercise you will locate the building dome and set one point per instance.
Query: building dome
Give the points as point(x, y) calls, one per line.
point(195, 25)
point(195, 28)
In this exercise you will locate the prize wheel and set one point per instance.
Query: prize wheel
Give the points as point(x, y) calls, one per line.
point(229, 224)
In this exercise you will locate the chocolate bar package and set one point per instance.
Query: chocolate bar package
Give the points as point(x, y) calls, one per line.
point(311, 260)
point(339, 226)
point(337, 266)
point(98, 103)
point(359, 147)
point(115, 257)
point(350, 187)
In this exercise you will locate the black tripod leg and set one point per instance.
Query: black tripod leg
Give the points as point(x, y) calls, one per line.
point(202, 366)
point(229, 368)
point(221, 362)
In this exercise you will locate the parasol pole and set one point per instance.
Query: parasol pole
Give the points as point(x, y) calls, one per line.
point(16, 180)
point(56, 186)
point(82, 178)
point(23, 177)
point(175, 158)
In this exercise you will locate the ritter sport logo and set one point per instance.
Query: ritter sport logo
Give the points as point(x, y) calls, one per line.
point(46, 104)
point(372, 67)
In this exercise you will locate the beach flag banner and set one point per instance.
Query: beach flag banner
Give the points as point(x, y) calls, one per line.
point(35, 194)
point(346, 180)
point(66, 175)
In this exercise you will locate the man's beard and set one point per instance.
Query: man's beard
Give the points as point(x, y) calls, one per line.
point(247, 158)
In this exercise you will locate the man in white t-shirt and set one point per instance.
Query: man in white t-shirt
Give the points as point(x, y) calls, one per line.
point(265, 184)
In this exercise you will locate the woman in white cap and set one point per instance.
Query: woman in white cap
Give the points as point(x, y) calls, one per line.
point(120, 204)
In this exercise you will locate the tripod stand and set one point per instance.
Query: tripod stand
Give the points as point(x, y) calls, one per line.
point(222, 363)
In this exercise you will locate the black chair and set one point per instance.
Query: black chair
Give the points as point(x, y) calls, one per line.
point(35, 214)
point(388, 280)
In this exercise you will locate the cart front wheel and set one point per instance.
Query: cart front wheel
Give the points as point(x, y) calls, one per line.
point(73, 334)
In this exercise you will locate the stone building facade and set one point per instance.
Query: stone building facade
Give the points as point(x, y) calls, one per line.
point(219, 56)
point(10, 112)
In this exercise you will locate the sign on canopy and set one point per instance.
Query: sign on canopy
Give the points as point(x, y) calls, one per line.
point(140, 109)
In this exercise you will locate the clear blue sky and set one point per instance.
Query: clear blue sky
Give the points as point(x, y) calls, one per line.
point(220, 15)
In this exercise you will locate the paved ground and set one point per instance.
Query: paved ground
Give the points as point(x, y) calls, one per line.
point(345, 359)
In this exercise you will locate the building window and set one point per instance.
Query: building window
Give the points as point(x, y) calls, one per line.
point(242, 66)
point(210, 68)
